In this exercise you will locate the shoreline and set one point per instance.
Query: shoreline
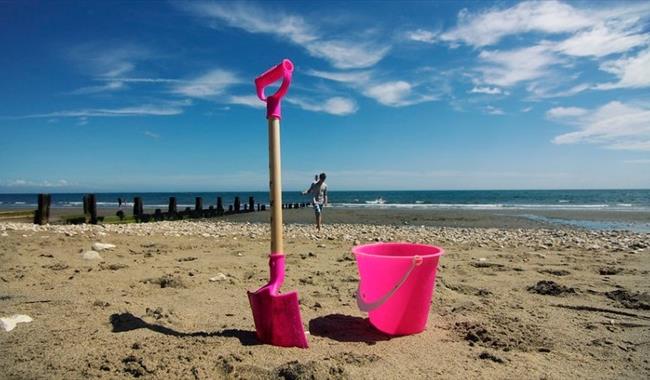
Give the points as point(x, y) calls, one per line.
point(555, 219)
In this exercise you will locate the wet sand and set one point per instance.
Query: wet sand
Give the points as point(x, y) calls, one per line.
point(404, 216)
point(522, 303)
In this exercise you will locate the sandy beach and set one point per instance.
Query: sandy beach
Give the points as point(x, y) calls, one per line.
point(169, 301)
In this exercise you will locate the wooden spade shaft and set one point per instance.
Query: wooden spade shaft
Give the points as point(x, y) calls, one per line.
point(275, 184)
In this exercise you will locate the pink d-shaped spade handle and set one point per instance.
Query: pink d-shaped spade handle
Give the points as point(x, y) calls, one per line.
point(282, 71)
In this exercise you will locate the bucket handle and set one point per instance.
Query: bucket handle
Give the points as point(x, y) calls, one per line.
point(370, 306)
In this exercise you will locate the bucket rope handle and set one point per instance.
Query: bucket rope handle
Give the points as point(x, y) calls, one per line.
point(370, 306)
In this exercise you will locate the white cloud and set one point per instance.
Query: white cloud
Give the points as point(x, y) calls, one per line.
point(490, 26)
point(599, 30)
point(348, 54)
point(349, 77)
point(615, 125)
point(152, 135)
point(142, 110)
point(146, 80)
point(564, 112)
point(108, 60)
point(548, 88)
point(247, 100)
point(109, 86)
point(212, 83)
point(600, 41)
point(336, 105)
point(486, 90)
point(422, 35)
point(255, 20)
point(343, 54)
point(526, 109)
point(397, 94)
point(632, 72)
point(30, 183)
point(494, 110)
point(390, 93)
point(507, 68)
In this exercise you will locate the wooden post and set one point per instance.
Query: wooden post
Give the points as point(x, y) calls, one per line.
point(92, 208)
point(86, 209)
point(198, 207)
point(158, 214)
point(138, 208)
point(42, 214)
point(230, 209)
point(172, 206)
point(263, 208)
point(219, 206)
point(251, 204)
point(237, 204)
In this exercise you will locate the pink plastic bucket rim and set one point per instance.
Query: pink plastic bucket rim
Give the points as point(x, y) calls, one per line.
point(388, 247)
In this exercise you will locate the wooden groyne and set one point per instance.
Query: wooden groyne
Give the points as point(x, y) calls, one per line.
point(42, 214)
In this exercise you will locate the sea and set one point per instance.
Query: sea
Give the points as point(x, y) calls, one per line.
point(525, 202)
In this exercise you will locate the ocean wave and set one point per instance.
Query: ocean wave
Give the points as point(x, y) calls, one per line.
point(491, 206)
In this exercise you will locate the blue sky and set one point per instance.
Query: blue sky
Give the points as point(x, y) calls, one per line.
point(158, 96)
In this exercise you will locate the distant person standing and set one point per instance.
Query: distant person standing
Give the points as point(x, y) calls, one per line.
point(318, 190)
point(119, 202)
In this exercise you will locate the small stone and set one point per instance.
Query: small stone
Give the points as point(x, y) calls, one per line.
point(102, 246)
point(218, 277)
point(91, 255)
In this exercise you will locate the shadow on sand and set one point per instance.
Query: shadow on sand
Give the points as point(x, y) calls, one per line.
point(127, 322)
point(346, 328)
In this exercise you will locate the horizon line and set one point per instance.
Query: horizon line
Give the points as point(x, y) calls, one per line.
point(332, 191)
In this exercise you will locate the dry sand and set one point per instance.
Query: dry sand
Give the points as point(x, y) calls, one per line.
point(510, 303)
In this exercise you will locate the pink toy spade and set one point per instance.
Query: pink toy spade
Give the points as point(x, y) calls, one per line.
point(277, 316)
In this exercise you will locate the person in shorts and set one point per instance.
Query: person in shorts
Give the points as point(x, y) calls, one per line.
point(318, 190)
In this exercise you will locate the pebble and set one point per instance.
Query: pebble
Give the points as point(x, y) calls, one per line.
point(619, 241)
point(102, 246)
point(91, 255)
point(218, 277)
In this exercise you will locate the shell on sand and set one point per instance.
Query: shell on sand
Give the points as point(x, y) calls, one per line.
point(218, 277)
point(9, 323)
point(102, 246)
point(91, 255)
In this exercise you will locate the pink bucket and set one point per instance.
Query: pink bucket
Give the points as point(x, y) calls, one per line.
point(396, 284)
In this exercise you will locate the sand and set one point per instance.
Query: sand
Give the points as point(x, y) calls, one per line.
point(169, 301)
